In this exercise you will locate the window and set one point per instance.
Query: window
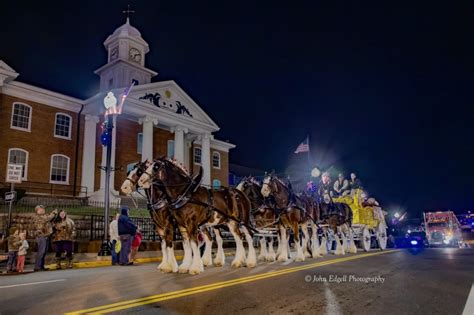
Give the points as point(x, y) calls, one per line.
point(139, 143)
point(197, 155)
point(111, 83)
point(131, 166)
point(19, 156)
point(216, 184)
point(21, 117)
point(170, 150)
point(59, 169)
point(216, 160)
point(62, 127)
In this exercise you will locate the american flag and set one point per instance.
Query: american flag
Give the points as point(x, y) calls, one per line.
point(303, 147)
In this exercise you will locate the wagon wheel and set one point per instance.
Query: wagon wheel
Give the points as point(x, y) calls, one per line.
point(365, 239)
point(382, 236)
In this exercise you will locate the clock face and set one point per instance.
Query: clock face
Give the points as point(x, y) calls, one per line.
point(134, 55)
point(114, 53)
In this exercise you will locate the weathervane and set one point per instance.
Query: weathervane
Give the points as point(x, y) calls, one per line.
point(128, 11)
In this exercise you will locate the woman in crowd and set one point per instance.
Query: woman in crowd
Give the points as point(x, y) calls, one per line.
point(64, 234)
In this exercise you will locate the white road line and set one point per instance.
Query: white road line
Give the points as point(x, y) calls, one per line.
point(31, 283)
point(469, 308)
point(332, 305)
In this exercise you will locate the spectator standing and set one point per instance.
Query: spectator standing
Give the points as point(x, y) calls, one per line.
point(43, 230)
point(114, 238)
point(13, 247)
point(20, 266)
point(63, 238)
point(127, 230)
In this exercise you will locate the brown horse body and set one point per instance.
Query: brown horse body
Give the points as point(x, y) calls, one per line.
point(159, 213)
point(194, 206)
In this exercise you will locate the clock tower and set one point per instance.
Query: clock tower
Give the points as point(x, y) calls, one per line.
point(126, 51)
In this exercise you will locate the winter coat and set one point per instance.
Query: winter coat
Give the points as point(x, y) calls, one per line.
point(126, 226)
point(113, 231)
point(64, 230)
point(137, 240)
point(14, 243)
point(23, 248)
point(42, 223)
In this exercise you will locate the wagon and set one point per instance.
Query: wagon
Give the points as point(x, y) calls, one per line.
point(368, 221)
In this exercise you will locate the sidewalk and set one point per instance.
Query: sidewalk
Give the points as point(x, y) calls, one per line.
point(91, 260)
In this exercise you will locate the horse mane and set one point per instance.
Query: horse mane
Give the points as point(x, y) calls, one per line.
point(178, 165)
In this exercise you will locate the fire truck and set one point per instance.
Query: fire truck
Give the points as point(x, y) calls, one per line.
point(442, 229)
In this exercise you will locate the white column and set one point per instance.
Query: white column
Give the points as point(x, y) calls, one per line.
point(179, 143)
point(206, 158)
point(88, 153)
point(147, 145)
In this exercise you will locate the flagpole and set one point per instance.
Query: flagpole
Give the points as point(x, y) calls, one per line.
point(309, 155)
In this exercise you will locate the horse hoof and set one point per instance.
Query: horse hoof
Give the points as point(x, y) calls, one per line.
point(183, 270)
point(194, 271)
point(236, 264)
point(218, 263)
point(282, 259)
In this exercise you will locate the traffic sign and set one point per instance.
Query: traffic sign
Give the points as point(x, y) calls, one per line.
point(10, 196)
point(14, 172)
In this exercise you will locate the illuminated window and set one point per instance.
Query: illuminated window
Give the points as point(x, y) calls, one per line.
point(139, 143)
point(216, 160)
point(197, 155)
point(170, 149)
point(21, 117)
point(19, 156)
point(216, 184)
point(62, 127)
point(59, 169)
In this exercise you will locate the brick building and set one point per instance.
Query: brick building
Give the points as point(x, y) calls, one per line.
point(56, 137)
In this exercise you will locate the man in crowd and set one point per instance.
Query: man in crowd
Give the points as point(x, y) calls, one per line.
point(126, 230)
point(341, 186)
point(43, 230)
point(355, 183)
point(114, 238)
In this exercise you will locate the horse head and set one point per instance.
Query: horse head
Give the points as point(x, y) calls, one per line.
point(133, 176)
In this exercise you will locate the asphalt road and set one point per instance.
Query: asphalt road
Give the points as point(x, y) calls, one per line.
point(432, 281)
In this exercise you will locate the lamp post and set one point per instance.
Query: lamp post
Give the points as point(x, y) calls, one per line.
point(112, 110)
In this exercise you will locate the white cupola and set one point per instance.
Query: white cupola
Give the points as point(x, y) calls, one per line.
point(126, 59)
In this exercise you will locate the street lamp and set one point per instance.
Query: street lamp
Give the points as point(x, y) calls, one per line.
point(112, 109)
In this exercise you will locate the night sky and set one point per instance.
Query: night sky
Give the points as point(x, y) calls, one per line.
point(384, 89)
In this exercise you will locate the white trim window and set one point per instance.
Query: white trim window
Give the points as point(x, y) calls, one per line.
point(62, 126)
point(139, 142)
point(21, 117)
point(19, 156)
point(59, 169)
point(197, 155)
point(216, 160)
point(170, 149)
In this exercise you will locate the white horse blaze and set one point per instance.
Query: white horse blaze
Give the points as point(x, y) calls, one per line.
point(145, 180)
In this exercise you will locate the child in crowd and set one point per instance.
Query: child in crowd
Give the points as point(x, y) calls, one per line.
point(13, 246)
point(137, 240)
point(22, 253)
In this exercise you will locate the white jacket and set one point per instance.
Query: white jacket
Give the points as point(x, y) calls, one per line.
point(113, 231)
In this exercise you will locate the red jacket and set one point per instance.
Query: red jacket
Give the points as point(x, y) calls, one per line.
point(137, 240)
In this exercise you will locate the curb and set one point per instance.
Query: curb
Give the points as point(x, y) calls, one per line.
point(108, 262)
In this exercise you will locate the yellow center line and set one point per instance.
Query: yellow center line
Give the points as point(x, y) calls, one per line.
point(214, 286)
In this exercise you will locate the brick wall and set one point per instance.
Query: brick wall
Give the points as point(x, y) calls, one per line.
point(39, 142)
